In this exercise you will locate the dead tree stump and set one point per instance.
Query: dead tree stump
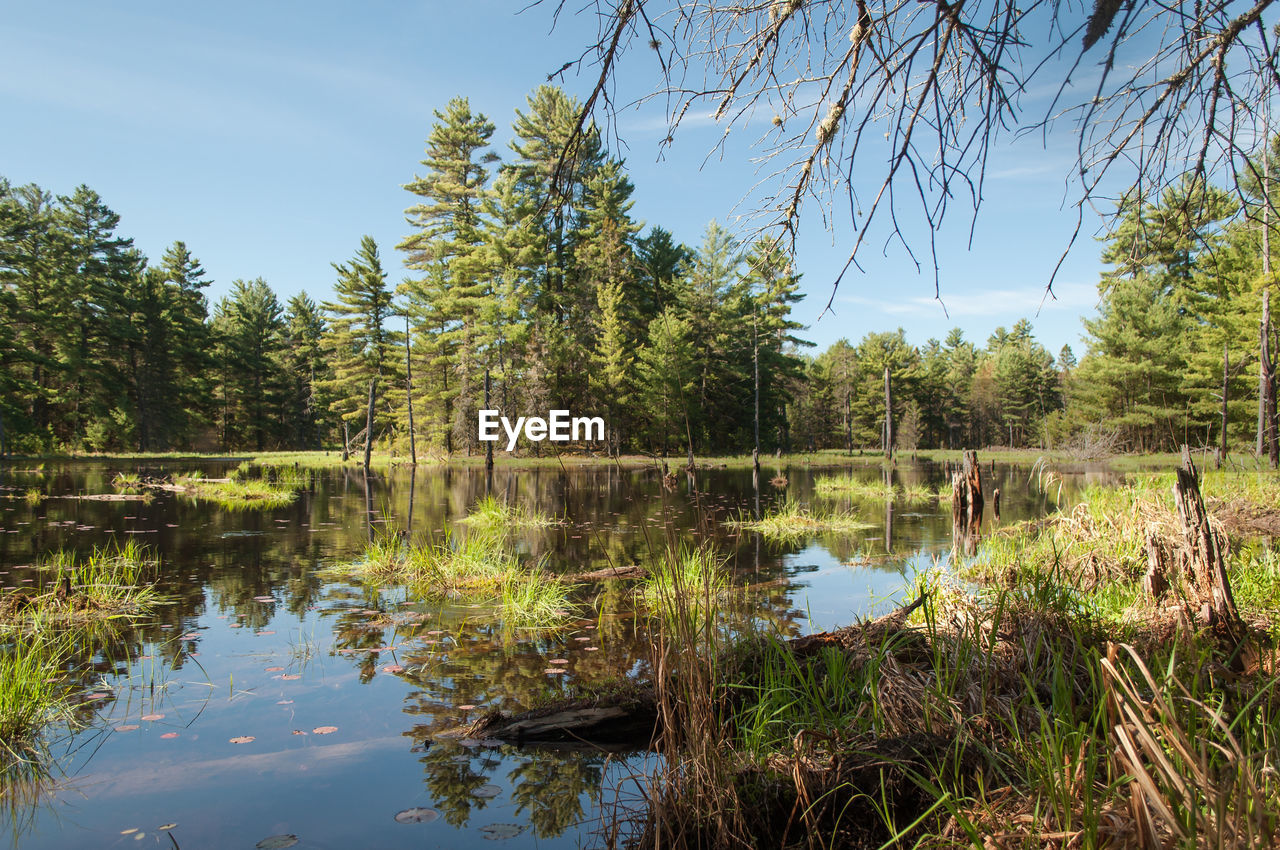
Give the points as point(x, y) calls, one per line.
point(1202, 562)
point(966, 506)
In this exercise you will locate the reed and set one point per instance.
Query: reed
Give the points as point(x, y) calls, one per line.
point(791, 522)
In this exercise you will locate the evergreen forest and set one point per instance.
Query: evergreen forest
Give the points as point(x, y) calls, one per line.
point(528, 282)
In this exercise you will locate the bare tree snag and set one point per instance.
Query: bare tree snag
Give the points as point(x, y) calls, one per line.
point(1204, 567)
point(966, 506)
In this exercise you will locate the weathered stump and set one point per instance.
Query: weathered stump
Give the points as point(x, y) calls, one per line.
point(966, 506)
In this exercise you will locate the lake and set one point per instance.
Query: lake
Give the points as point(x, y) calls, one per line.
point(342, 687)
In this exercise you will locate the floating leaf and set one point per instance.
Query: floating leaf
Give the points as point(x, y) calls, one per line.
point(559, 661)
point(290, 676)
point(284, 702)
point(417, 815)
point(273, 669)
point(242, 739)
point(127, 727)
point(466, 708)
point(324, 730)
point(277, 842)
point(552, 671)
point(264, 632)
point(298, 732)
point(169, 735)
point(129, 831)
point(264, 599)
point(487, 792)
point(152, 717)
point(393, 668)
point(500, 831)
point(165, 827)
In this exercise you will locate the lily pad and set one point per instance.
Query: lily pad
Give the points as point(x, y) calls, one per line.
point(152, 717)
point(127, 727)
point(277, 842)
point(242, 739)
point(418, 814)
point(324, 730)
point(500, 831)
point(165, 827)
point(487, 792)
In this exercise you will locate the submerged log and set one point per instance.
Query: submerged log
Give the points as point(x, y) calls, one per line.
point(609, 573)
point(626, 721)
point(966, 506)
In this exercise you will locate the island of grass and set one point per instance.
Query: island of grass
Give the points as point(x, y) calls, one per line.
point(491, 513)
point(791, 522)
point(233, 493)
point(479, 567)
point(851, 487)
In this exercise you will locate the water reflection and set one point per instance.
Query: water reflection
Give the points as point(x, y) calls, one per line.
point(258, 639)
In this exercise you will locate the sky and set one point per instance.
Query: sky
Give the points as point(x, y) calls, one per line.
point(271, 136)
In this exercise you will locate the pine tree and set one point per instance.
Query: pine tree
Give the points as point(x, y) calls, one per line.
point(362, 350)
point(445, 303)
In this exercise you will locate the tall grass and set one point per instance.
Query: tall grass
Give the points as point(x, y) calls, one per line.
point(110, 582)
point(31, 692)
point(852, 487)
point(476, 567)
point(790, 522)
point(489, 512)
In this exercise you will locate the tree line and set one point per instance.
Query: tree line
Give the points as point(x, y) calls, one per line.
point(531, 286)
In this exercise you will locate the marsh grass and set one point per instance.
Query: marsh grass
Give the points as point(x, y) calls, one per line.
point(479, 567)
point(837, 486)
point(127, 482)
point(791, 522)
point(993, 711)
point(110, 583)
point(687, 575)
point(33, 496)
point(32, 693)
point(247, 494)
point(489, 512)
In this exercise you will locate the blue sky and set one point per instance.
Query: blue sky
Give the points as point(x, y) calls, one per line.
point(270, 137)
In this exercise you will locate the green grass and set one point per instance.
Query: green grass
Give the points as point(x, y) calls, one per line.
point(491, 513)
point(31, 691)
point(790, 522)
point(33, 496)
point(479, 567)
point(849, 486)
point(110, 583)
point(127, 482)
point(248, 494)
point(688, 576)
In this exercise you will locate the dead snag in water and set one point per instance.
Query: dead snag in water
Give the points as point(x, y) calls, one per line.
point(966, 506)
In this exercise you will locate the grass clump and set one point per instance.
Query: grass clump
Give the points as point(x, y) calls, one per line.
point(837, 486)
point(491, 513)
point(992, 712)
point(247, 494)
point(127, 482)
point(110, 583)
point(31, 693)
point(478, 567)
point(693, 578)
point(33, 496)
point(790, 522)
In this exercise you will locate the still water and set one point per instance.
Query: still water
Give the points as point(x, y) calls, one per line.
point(342, 687)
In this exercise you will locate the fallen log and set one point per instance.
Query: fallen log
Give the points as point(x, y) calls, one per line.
point(627, 721)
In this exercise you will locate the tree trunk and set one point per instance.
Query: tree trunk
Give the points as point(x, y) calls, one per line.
point(966, 506)
point(488, 445)
point(1267, 384)
point(346, 441)
point(408, 389)
point(1226, 366)
point(4, 449)
point(755, 373)
point(888, 415)
point(368, 422)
